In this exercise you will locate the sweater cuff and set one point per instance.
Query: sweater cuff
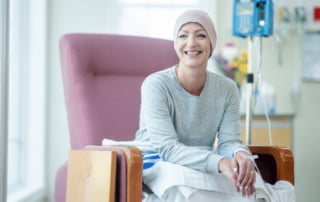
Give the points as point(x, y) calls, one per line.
point(213, 163)
point(241, 149)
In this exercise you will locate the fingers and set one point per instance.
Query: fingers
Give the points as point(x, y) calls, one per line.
point(246, 176)
point(248, 189)
point(226, 167)
point(241, 173)
point(246, 186)
point(253, 177)
point(245, 168)
point(235, 169)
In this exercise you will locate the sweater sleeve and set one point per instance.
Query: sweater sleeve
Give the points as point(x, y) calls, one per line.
point(158, 123)
point(229, 130)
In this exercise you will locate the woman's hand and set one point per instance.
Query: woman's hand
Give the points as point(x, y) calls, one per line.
point(246, 176)
point(240, 170)
point(226, 167)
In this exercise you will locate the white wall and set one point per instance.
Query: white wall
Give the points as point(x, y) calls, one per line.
point(98, 16)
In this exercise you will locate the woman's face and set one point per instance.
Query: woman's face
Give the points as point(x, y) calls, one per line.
point(193, 45)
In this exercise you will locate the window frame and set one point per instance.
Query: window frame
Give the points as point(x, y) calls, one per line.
point(27, 98)
point(4, 4)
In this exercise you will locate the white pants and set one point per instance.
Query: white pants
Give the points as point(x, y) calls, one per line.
point(170, 182)
point(174, 194)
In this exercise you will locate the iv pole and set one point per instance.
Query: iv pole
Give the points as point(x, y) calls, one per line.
point(249, 90)
point(253, 43)
point(252, 19)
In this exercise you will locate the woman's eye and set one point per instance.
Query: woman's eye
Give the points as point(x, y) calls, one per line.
point(202, 36)
point(181, 36)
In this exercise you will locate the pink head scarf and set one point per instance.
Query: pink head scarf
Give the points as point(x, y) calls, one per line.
point(200, 17)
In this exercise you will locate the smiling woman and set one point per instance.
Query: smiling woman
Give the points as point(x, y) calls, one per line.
point(184, 108)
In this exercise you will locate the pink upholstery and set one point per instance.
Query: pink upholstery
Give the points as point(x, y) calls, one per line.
point(102, 75)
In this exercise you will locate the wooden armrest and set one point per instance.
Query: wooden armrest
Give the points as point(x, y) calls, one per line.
point(134, 173)
point(281, 157)
point(133, 169)
point(91, 175)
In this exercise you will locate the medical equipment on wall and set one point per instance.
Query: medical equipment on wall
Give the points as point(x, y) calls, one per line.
point(294, 19)
point(252, 19)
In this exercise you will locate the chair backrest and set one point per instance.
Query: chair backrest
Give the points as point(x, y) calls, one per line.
point(102, 76)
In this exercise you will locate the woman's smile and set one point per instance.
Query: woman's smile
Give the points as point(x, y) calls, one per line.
point(192, 52)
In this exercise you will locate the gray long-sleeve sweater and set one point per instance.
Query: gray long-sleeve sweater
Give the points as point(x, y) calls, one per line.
point(178, 124)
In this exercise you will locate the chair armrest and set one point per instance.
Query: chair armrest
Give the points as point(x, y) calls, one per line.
point(274, 162)
point(133, 164)
point(134, 173)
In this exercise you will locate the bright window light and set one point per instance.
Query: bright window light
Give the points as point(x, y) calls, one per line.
point(26, 124)
point(159, 2)
point(153, 18)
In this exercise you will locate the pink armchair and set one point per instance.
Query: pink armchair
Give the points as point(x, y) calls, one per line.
point(102, 75)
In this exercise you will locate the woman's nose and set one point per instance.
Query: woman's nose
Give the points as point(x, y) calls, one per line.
point(191, 41)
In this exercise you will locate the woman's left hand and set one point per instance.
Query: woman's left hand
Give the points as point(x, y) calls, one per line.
point(246, 174)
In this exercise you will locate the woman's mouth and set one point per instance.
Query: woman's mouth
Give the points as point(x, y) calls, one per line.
point(192, 53)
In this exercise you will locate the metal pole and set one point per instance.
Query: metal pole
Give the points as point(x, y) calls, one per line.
point(254, 62)
point(4, 39)
point(249, 88)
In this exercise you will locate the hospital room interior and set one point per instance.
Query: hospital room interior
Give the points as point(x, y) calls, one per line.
point(283, 61)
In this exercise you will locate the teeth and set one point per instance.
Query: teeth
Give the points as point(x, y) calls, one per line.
point(192, 52)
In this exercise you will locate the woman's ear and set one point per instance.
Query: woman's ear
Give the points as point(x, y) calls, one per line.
point(211, 51)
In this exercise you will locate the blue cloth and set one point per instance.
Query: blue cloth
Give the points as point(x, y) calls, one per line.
point(149, 159)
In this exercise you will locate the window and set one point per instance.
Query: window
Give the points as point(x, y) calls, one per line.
point(155, 18)
point(26, 124)
point(3, 96)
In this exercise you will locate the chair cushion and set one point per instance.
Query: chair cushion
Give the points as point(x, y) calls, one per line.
point(102, 75)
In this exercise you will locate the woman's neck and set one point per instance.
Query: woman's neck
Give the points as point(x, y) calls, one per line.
point(192, 79)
